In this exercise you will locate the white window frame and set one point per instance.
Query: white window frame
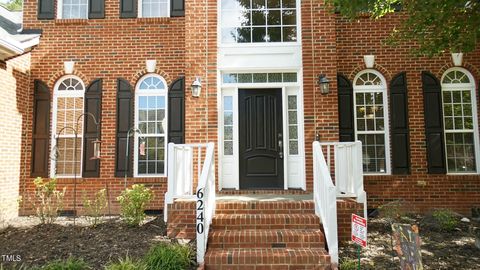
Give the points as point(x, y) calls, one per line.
point(374, 89)
point(140, 10)
point(261, 44)
point(60, 11)
point(463, 86)
point(143, 93)
point(66, 94)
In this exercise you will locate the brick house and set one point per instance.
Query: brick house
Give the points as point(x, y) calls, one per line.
point(259, 63)
point(14, 80)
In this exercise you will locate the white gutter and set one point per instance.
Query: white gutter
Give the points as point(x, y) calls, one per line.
point(11, 47)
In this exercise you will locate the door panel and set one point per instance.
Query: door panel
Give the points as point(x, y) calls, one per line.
point(261, 138)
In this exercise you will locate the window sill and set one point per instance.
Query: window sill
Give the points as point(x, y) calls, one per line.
point(154, 20)
point(71, 21)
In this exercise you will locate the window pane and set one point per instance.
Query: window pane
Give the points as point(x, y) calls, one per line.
point(260, 77)
point(65, 158)
point(292, 117)
point(273, 17)
point(273, 3)
point(289, 17)
point(274, 77)
point(154, 8)
point(292, 102)
point(259, 34)
point(153, 161)
point(229, 78)
point(228, 103)
point(460, 152)
point(289, 77)
point(293, 147)
point(274, 34)
point(259, 17)
point(289, 34)
point(228, 148)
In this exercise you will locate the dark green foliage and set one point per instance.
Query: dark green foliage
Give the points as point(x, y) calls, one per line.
point(436, 26)
point(125, 264)
point(70, 264)
point(168, 257)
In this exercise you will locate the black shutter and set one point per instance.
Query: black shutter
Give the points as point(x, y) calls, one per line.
point(399, 125)
point(432, 101)
point(177, 8)
point(124, 123)
point(96, 9)
point(41, 130)
point(128, 8)
point(93, 105)
point(46, 9)
point(345, 109)
point(176, 111)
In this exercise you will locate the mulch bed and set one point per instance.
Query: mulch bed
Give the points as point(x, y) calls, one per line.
point(439, 249)
point(38, 244)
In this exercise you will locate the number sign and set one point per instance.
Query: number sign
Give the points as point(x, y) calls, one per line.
point(200, 207)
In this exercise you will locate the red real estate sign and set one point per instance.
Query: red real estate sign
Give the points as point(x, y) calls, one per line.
point(359, 230)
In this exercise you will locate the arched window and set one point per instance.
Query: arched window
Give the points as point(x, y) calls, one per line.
point(460, 121)
point(151, 120)
point(68, 105)
point(371, 120)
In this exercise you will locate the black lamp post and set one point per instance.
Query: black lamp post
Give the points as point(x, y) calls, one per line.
point(96, 153)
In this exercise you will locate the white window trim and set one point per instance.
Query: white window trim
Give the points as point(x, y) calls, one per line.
point(370, 89)
point(140, 10)
point(56, 95)
point(138, 93)
point(260, 44)
point(60, 10)
point(463, 86)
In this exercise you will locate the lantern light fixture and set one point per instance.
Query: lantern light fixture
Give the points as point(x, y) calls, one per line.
point(196, 87)
point(324, 84)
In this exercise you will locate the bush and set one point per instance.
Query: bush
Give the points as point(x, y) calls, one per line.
point(94, 208)
point(48, 200)
point(125, 264)
point(133, 202)
point(168, 257)
point(393, 211)
point(70, 264)
point(348, 264)
point(446, 219)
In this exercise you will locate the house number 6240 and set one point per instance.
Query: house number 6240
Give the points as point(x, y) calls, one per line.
point(200, 207)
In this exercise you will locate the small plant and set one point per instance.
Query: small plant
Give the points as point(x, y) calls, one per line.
point(393, 211)
point(446, 219)
point(94, 208)
point(133, 202)
point(48, 200)
point(168, 257)
point(70, 264)
point(348, 264)
point(126, 264)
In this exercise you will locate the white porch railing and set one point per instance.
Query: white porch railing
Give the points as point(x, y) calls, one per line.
point(324, 196)
point(347, 169)
point(183, 159)
point(205, 202)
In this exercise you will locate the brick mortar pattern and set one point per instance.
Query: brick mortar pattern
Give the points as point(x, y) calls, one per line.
point(111, 48)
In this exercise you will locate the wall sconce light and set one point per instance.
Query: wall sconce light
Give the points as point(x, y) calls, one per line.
point(369, 60)
point(457, 59)
point(151, 65)
point(196, 87)
point(324, 84)
point(68, 67)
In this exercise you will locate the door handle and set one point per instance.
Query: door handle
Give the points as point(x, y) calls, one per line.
point(280, 145)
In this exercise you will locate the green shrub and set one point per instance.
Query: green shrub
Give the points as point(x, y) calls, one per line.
point(348, 264)
point(168, 257)
point(70, 264)
point(125, 264)
point(94, 208)
point(48, 200)
point(133, 202)
point(446, 219)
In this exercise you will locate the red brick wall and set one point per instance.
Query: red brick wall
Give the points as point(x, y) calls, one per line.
point(319, 52)
point(365, 36)
point(14, 104)
point(107, 48)
point(181, 220)
point(345, 209)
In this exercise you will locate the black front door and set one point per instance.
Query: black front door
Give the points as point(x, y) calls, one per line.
point(261, 138)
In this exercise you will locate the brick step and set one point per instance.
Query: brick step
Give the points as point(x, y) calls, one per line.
point(265, 207)
point(266, 239)
point(265, 221)
point(265, 258)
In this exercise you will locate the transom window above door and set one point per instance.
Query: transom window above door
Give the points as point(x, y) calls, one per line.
point(258, 21)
